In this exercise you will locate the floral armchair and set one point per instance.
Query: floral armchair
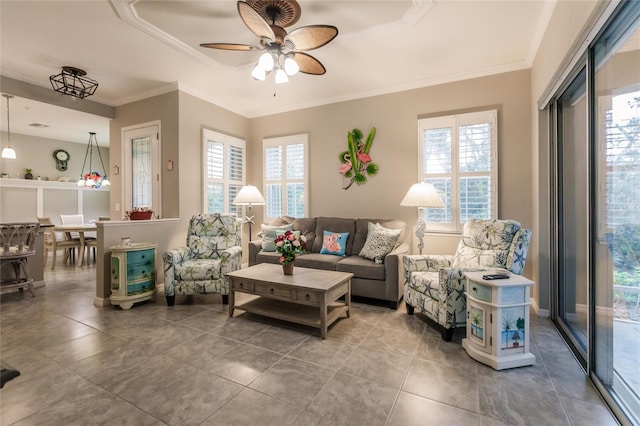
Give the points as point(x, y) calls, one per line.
point(213, 249)
point(435, 284)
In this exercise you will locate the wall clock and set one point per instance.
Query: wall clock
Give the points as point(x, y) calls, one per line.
point(62, 157)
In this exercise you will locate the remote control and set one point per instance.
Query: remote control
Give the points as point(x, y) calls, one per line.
point(495, 276)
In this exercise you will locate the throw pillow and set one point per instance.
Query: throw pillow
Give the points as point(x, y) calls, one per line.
point(334, 243)
point(380, 241)
point(283, 220)
point(269, 235)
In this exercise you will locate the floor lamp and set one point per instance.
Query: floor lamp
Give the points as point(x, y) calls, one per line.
point(422, 195)
point(249, 196)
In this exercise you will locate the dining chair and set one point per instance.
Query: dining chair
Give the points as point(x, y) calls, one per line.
point(17, 244)
point(57, 240)
point(72, 219)
point(90, 238)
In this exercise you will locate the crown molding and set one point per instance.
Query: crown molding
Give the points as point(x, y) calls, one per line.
point(127, 12)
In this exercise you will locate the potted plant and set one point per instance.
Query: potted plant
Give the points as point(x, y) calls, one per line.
point(288, 244)
point(28, 174)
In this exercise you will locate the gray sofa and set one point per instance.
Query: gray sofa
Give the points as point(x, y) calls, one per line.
point(371, 280)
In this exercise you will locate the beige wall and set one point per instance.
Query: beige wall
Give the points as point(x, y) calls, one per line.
point(37, 153)
point(395, 148)
point(567, 21)
point(163, 108)
point(195, 115)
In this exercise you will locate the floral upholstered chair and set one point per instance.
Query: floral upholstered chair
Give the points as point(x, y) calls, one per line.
point(435, 284)
point(213, 249)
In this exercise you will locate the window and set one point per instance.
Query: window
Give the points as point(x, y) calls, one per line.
point(286, 177)
point(458, 155)
point(224, 171)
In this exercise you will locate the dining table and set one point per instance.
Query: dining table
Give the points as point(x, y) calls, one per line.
point(80, 229)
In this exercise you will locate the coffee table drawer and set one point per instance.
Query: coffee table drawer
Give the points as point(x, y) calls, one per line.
point(244, 285)
point(273, 290)
point(307, 296)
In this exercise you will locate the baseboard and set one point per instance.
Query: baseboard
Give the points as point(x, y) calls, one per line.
point(543, 313)
point(39, 284)
point(581, 308)
point(101, 302)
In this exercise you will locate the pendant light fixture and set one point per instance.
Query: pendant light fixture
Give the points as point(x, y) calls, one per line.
point(93, 179)
point(8, 152)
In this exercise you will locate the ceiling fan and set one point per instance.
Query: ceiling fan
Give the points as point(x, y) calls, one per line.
point(268, 19)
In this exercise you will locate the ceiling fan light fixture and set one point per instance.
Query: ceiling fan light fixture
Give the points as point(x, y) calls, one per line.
point(258, 73)
point(281, 76)
point(266, 61)
point(283, 52)
point(291, 67)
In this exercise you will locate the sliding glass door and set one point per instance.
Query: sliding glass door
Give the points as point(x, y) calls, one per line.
point(617, 214)
point(596, 134)
point(573, 214)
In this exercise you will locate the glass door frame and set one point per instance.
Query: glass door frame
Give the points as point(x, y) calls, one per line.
point(557, 219)
point(619, 14)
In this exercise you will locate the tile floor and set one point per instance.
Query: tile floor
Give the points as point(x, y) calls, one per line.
point(193, 365)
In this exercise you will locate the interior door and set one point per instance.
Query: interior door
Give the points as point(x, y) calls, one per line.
point(142, 180)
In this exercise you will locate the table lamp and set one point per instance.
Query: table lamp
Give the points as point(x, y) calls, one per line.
point(422, 195)
point(249, 196)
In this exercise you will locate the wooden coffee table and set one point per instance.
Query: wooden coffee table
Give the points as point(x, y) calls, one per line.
point(308, 297)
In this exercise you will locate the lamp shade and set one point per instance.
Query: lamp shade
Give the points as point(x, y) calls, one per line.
point(9, 152)
point(249, 195)
point(422, 195)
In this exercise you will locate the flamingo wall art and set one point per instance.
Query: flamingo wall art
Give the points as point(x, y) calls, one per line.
point(356, 161)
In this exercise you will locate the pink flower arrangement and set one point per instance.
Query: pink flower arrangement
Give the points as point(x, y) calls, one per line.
point(289, 245)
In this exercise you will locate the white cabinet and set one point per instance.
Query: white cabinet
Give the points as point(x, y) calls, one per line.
point(133, 273)
point(498, 321)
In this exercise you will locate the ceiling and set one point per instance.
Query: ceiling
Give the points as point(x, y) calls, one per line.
point(137, 49)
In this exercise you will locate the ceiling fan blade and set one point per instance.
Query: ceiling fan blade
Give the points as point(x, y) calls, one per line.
point(310, 37)
point(230, 46)
point(308, 64)
point(254, 21)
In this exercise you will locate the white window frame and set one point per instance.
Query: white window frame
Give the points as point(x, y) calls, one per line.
point(228, 142)
point(301, 139)
point(454, 122)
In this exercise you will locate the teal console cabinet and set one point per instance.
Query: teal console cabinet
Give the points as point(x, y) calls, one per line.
point(133, 273)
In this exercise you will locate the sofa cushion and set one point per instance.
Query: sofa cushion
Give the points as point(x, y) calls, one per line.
point(198, 270)
point(380, 242)
point(361, 268)
point(269, 235)
point(283, 220)
point(334, 243)
point(334, 224)
point(267, 257)
point(318, 261)
point(307, 227)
